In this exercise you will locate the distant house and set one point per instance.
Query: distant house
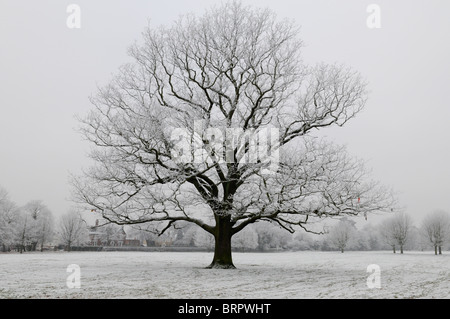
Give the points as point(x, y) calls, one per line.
point(110, 235)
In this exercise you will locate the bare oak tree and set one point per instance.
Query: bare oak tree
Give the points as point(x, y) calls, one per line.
point(341, 234)
point(72, 230)
point(234, 72)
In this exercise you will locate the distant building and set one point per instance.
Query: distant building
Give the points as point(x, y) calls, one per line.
point(109, 235)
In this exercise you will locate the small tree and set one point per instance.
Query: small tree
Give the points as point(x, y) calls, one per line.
point(38, 224)
point(25, 233)
point(45, 228)
point(436, 228)
point(72, 229)
point(387, 233)
point(8, 220)
point(401, 226)
point(341, 234)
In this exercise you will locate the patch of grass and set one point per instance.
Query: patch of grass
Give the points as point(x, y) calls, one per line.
point(5, 294)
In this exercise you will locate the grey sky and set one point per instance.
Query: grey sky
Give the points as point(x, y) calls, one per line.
point(48, 71)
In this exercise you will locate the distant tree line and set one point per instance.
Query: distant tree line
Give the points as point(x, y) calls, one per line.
point(32, 227)
point(396, 233)
point(24, 228)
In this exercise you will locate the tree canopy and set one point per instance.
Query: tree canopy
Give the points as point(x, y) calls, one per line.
point(212, 123)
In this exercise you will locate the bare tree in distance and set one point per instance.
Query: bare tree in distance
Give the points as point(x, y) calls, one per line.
point(340, 234)
point(45, 227)
point(235, 70)
point(387, 232)
point(396, 230)
point(72, 229)
point(27, 233)
point(24, 234)
point(436, 227)
point(8, 220)
point(401, 226)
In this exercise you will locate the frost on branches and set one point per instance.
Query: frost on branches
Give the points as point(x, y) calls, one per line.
point(237, 69)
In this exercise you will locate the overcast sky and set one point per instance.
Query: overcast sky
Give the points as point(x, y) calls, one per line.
point(48, 71)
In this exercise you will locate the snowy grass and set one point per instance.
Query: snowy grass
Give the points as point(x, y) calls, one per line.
point(182, 275)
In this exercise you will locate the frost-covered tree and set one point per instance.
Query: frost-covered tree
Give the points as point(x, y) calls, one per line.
point(387, 233)
point(396, 230)
point(212, 123)
point(72, 230)
point(38, 224)
point(8, 221)
point(25, 227)
point(436, 227)
point(25, 231)
point(45, 228)
point(401, 229)
point(340, 234)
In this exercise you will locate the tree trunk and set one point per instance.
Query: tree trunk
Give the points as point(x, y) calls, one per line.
point(222, 248)
point(393, 249)
point(342, 250)
point(401, 249)
point(440, 250)
point(435, 250)
point(42, 239)
point(22, 241)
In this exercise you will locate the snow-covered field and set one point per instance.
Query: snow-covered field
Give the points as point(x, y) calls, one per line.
point(182, 275)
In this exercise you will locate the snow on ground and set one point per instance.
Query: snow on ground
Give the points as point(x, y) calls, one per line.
point(259, 275)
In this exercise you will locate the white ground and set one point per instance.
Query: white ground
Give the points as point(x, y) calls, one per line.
point(182, 275)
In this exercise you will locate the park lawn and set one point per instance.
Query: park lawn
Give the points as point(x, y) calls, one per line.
point(275, 275)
